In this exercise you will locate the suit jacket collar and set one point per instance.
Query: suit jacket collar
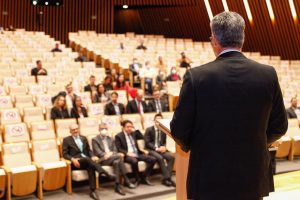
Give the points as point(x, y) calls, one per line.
point(231, 54)
point(75, 145)
point(99, 140)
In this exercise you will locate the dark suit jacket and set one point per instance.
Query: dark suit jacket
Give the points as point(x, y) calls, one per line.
point(71, 150)
point(88, 88)
point(150, 138)
point(132, 107)
point(98, 147)
point(75, 114)
point(110, 110)
point(121, 144)
point(57, 114)
point(132, 69)
point(228, 111)
point(152, 106)
point(291, 113)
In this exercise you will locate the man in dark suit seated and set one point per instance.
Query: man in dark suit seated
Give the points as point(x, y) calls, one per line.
point(104, 147)
point(76, 149)
point(293, 111)
point(229, 111)
point(56, 48)
point(157, 105)
point(141, 46)
point(38, 70)
point(137, 105)
point(80, 57)
point(127, 143)
point(91, 87)
point(114, 108)
point(155, 141)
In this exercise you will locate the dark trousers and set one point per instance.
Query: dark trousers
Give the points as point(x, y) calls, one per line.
point(150, 161)
point(161, 157)
point(148, 82)
point(89, 165)
point(118, 165)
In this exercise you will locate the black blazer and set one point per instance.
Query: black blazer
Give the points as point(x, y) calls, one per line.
point(150, 138)
point(110, 109)
point(291, 113)
point(59, 114)
point(75, 114)
point(71, 150)
point(132, 69)
point(228, 112)
point(132, 107)
point(98, 147)
point(152, 106)
point(121, 144)
point(88, 88)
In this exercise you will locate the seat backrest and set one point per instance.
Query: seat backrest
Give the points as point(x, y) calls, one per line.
point(42, 130)
point(21, 73)
point(2, 91)
point(17, 90)
point(122, 96)
point(43, 100)
point(5, 102)
point(32, 114)
point(45, 151)
point(16, 133)
point(173, 87)
point(96, 110)
point(16, 154)
point(136, 120)
point(10, 81)
point(35, 89)
point(54, 89)
point(85, 97)
point(62, 127)
point(9, 116)
point(27, 80)
point(44, 80)
point(148, 120)
point(113, 123)
point(167, 115)
point(293, 123)
point(88, 126)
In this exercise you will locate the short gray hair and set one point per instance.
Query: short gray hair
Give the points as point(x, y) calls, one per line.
point(228, 28)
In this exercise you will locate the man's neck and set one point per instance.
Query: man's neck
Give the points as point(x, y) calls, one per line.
point(228, 49)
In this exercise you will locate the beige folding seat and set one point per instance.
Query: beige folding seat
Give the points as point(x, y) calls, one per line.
point(4, 181)
point(167, 115)
point(136, 120)
point(88, 126)
point(96, 110)
point(173, 87)
point(17, 90)
point(10, 116)
point(27, 80)
point(43, 100)
point(33, 114)
point(42, 130)
point(22, 101)
point(53, 170)
point(35, 89)
point(10, 81)
point(45, 80)
point(17, 65)
point(17, 162)
point(148, 120)
point(47, 111)
point(113, 123)
point(63, 80)
point(54, 89)
point(284, 149)
point(6, 72)
point(19, 73)
point(62, 127)
point(85, 98)
point(294, 133)
point(17, 132)
point(5, 102)
point(3, 91)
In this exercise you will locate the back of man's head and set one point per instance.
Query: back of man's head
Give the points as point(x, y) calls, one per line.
point(228, 28)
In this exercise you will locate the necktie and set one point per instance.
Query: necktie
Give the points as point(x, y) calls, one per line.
point(133, 145)
point(79, 145)
point(158, 138)
point(139, 107)
point(158, 107)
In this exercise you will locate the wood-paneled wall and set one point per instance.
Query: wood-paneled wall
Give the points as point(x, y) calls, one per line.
point(74, 15)
point(155, 2)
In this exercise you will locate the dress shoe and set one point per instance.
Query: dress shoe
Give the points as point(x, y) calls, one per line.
point(146, 181)
point(130, 185)
point(94, 195)
point(166, 182)
point(172, 182)
point(119, 190)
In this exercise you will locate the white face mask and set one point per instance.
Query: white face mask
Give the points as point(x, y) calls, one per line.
point(104, 132)
point(173, 71)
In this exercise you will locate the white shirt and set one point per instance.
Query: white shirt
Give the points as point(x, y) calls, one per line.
point(297, 111)
point(156, 136)
point(129, 145)
point(117, 109)
point(147, 72)
point(105, 144)
point(141, 106)
point(228, 50)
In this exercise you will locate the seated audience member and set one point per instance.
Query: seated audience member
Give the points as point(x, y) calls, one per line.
point(105, 149)
point(108, 83)
point(294, 110)
point(59, 110)
point(121, 46)
point(161, 79)
point(148, 73)
point(124, 85)
point(80, 57)
point(91, 87)
point(78, 111)
point(38, 70)
point(114, 108)
point(114, 74)
point(157, 105)
point(11, 28)
point(141, 46)
point(161, 66)
point(127, 143)
point(101, 96)
point(155, 141)
point(137, 105)
point(135, 68)
point(70, 95)
point(56, 48)
point(184, 61)
point(76, 149)
point(174, 76)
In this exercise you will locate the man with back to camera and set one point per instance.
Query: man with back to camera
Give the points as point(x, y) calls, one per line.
point(38, 70)
point(229, 111)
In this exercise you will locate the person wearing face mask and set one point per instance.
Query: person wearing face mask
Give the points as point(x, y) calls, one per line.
point(148, 74)
point(104, 147)
point(76, 149)
point(174, 76)
point(135, 68)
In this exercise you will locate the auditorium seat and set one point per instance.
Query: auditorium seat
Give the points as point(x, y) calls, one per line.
point(53, 171)
point(42, 130)
point(17, 132)
point(113, 123)
point(88, 126)
point(43, 100)
point(294, 133)
point(5, 102)
point(35, 89)
point(45, 80)
point(4, 181)
point(284, 149)
point(27, 80)
point(85, 98)
point(2, 91)
point(17, 163)
point(10, 81)
point(95, 110)
point(17, 90)
point(148, 120)
point(62, 127)
point(10, 116)
point(33, 114)
point(22, 101)
point(54, 89)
